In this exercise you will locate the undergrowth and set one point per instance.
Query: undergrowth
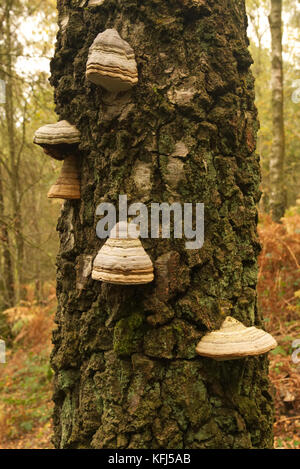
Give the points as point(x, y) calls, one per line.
point(25, 379)
point(279, 302)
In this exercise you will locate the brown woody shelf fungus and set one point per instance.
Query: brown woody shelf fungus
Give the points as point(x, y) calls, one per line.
point(60, 141)
point(122, 259)
point(67, 185)
point(111, 62)
point(234, 340)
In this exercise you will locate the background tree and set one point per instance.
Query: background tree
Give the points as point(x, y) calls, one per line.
point(277, 179)
point(7, 277)
point(291, 67)
point(126, 372)
point(260, 47)
point(26, 245)
point(258, 31)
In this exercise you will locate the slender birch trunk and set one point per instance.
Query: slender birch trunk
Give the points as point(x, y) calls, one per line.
point(13, 154)
point(277, 176)
point(7, 276)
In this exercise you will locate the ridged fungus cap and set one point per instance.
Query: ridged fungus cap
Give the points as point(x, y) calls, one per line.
point(234, 340)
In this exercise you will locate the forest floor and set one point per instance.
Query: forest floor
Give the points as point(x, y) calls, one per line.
point(25, 380)
point(279, 302)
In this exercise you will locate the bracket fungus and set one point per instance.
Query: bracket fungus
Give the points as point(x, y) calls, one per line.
point(67, 185)
point(122, 259)
point(58, 140)
point(234, 340)
point(111, 62)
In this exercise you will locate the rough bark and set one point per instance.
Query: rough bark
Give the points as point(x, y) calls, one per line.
point(277, 179)
point(126, 372)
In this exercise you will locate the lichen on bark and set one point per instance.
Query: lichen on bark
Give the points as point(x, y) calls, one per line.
point(126, 371)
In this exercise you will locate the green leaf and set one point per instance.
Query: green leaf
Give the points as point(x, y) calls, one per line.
point(279, 351)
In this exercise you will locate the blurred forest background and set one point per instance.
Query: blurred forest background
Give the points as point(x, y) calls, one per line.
point(29, 242)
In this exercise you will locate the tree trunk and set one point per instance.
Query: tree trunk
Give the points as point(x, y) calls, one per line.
point(277, 179)
point(13, 154)
point(126, 371)
point(7, 267)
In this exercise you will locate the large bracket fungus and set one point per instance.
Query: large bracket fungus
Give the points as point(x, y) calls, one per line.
point(122, 259)
point(58, 140)
point(234, 340)
point(67, 185)
point(111, 62)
